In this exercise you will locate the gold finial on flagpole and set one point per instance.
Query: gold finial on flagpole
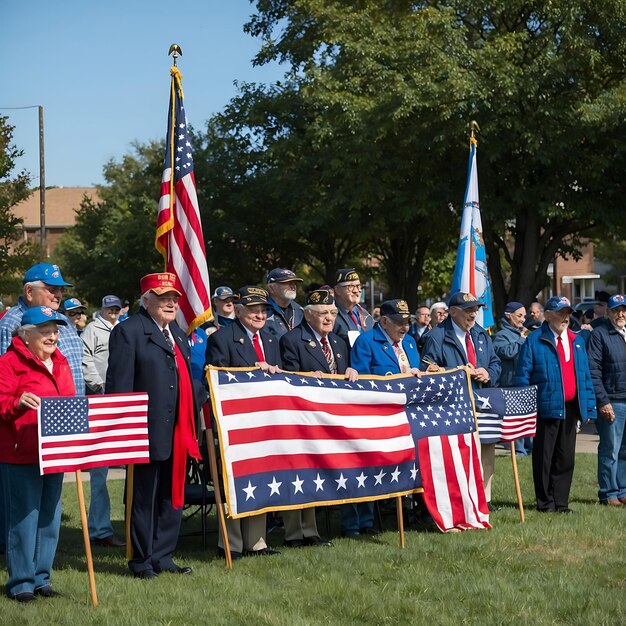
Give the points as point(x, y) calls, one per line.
point(474, 128)
point(175, 51)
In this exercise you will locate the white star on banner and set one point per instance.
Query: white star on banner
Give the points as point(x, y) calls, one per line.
point(361, 480)
point(231, 376)
point(414, 472)
point(249, 491)
point(379, 477)
point(341, 482)
point(251, 375)
point(319, 483)
point(274, 486)
point(395, 475)
point(297, 483)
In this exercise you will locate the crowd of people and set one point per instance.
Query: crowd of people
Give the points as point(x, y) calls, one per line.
point(49, 349)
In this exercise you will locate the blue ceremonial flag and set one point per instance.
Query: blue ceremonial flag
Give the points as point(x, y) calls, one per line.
point(292, 440)
point(470, 270)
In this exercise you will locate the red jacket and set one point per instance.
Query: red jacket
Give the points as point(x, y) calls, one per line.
point(21, 371)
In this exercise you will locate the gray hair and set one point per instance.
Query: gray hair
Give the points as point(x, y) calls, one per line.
point(23, 330)
point(32, 283)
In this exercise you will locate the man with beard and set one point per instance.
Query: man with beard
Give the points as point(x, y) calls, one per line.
point(554, 358)
point(283, 312)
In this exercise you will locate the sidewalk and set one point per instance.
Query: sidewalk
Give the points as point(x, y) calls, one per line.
point(115, 473)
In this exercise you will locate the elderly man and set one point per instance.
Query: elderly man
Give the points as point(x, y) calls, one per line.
point(95, 340)
point(420, 325)
point(313, 347)
point(149, 352)
point(459, 340)
point(600, 308)
point(507, 344)
point(535, 316)
point(246, 343)
point(607, 364)
point(283, 312)
point(43, 285)
point(384, 350)
point(352, 318)
point(555, 359)
point(75, 311)
point(437, 312)
point(223, 306)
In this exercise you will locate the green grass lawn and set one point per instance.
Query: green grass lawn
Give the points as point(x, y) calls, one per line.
point(554, 569)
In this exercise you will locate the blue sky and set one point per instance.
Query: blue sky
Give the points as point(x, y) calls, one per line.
point(101, 72)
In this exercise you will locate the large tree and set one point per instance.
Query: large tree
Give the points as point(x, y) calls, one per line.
point(15, 255)
point(545, 79)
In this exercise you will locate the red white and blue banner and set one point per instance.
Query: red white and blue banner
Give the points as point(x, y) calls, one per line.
point(506, 413)
point(470, 270)
point(292, 440)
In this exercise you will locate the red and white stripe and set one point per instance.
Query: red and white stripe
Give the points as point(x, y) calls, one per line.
point(453, 481)
point(118, 435)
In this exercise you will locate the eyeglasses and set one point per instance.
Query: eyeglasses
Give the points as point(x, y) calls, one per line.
point(48, 333)
point(74, 313)
point(351, 287)
point(167, 299)
point(332, 313)
point(50, 288)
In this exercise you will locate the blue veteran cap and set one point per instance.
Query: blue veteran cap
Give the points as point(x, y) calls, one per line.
point(47, 273)
point(41, 315)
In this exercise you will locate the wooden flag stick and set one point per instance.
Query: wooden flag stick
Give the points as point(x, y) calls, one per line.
point(130, 474)
point(83, 523)
point(210, 444)
point(518, 489)
point(400, 519)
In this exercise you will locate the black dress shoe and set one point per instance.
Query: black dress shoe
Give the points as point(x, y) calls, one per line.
point(261, 552)
point(24, 596)
point(369, 532)
point(351, 534)
point(317, 541)
point(109, 542)
point(176, 569)
point(146, 574)
point(567, 511)
point(294, 543)
point(46, 592)
point(235, 556)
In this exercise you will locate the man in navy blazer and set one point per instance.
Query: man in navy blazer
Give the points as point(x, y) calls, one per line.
point(146, 353)
point(313, 347)
point(352, 319)
point(246, 343)
point(387, 348)
point(459, 341)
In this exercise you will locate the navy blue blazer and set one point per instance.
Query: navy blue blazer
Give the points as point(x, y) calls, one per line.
point(230, 346)
point(443, 348)
point(373, 354)
point(141, 360)
point(302, 352)
point(344, 322)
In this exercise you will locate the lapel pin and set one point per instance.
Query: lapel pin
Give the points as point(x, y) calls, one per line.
point(241, 340)
point(312, 344)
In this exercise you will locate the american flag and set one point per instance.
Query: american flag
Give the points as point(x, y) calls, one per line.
point(292, 440)
point(82, 432)
point(507, 413)
point(179, 235)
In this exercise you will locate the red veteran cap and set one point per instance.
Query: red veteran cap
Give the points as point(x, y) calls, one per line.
point(159, 283)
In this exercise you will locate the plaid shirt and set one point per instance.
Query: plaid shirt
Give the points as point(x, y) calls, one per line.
point(70, 345)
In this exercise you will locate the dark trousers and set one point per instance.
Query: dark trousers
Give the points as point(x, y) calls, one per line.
point(554, 453)
point(154, 523)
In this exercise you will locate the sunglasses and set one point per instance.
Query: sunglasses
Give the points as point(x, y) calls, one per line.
point(75, 313)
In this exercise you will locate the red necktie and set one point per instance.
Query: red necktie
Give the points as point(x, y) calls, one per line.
point(561, 350)
point(257, 347)
point(328, 353)
point(471, 353)
point(401, 356)
point(355, 319)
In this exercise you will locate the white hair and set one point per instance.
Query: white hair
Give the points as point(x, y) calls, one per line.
point(439, 305)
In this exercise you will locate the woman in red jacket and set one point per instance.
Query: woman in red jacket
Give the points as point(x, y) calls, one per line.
point(31, 368)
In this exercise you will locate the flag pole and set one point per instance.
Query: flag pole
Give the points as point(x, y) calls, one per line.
point(400, 519)
point(518, 489)
point(83, 523)
point(210, 445)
